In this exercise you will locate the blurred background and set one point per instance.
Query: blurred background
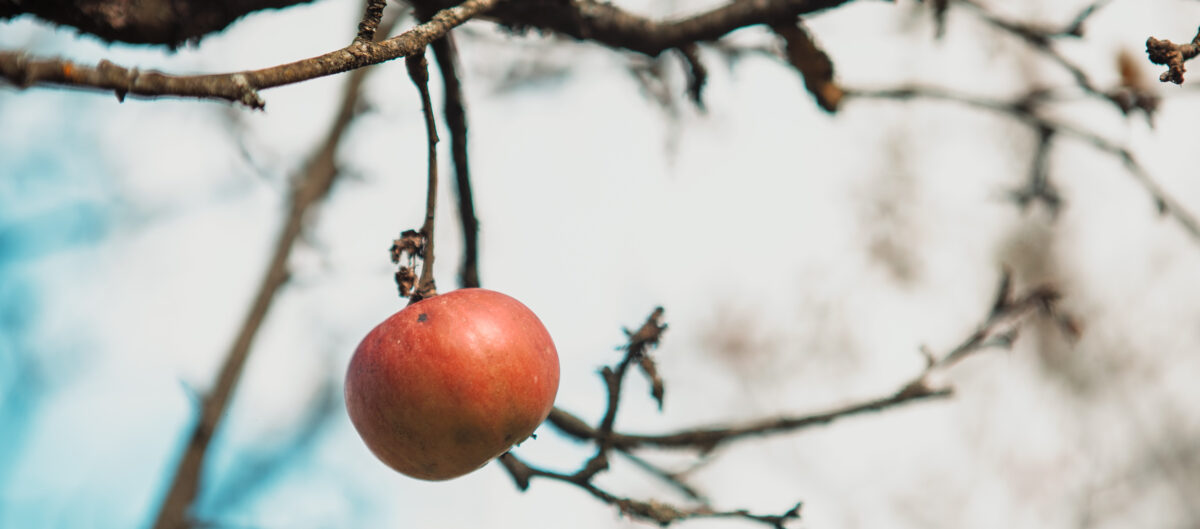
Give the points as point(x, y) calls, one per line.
point(803, 259)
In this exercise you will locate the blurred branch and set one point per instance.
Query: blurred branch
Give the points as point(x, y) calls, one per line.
point(1041, 39)
point(612, 26)
point(308, 189)
point(240, 87)
point(1039, 188)
point(1003, 321)
point(1023, 109)
point(582, 19)
point(674, 479)
point(144, 22)
point(267, 461)
point(803, 53)
point(697, 74)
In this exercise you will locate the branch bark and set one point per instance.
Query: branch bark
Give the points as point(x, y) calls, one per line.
point(173, 22)
point(241, 87)
point(170, 22)
point(418, 71)
point(614, 27)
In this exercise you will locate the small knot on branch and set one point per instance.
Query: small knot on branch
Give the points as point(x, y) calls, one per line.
point(1172, 56)
point(418, 68)
point(247, 95)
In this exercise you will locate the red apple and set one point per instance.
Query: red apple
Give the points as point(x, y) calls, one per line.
point(450, 382)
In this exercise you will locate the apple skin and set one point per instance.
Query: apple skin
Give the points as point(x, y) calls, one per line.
point(450, 382)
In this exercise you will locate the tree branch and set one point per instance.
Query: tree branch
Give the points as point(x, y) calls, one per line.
point(1041, 39)
point(708, 439)
point(612, 26)
point(1023, 110)
point(1006, 313)
point(170, 22)
point(446, 53)
point(241, 87)
point(173, 22)
point(418, 71)
point(658, 512)
point(310, 188)
point(812, 62)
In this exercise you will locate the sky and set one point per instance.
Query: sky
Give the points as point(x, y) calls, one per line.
point(803, 260)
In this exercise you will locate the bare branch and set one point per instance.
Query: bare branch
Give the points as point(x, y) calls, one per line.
point(317, 179)
point(310, 188)
point(697, 74)
point(1041, 39)
point(707, 439)
point(640, 341)
point(144, 22)
point(614, 27)
point(240, 87)
point(455, 111)
point(1075, 28)
point(418, 70)
point(1004, 316)
point(1039, 188)
point(1023, 110)
point(1006, 312)
point(661, 513)
point(812, 62)
point(674, 479)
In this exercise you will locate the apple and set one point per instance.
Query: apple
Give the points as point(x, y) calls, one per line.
point(450, 382)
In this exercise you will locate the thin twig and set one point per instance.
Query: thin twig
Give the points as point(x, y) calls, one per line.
point(446, 53)
point(661, 513)
point(309, 189)
point(697, 74)
point(1042, 39)
point(418, 71)
point(1022, 109)
point(707, 439)
point(645, 337)
point(240, 87)
point(1006, 313)
point(671, 478)
point(1039, 187)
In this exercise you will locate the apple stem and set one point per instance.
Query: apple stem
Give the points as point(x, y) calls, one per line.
point(418, 71)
